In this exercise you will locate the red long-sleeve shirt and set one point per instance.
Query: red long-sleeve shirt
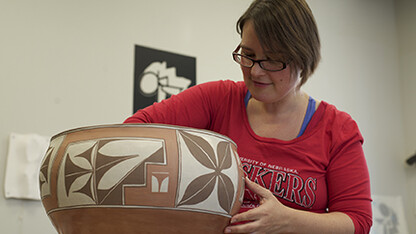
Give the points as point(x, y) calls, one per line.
point(324, 170)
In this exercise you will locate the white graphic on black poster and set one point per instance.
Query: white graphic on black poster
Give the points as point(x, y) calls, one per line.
point(159, 75)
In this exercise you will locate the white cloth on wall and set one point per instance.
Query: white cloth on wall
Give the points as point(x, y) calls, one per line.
point(25, 154)
point(388, 215)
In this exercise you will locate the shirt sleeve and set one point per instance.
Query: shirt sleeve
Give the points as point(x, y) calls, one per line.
point(348, 178)
point(192, 108)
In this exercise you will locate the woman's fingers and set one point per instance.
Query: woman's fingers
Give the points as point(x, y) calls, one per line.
point(262, 192)
point(249, 215)
point(242, 228)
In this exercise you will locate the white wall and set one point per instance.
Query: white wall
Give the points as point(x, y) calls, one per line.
point(360, 74)
point(406, 20)
point(66, 64)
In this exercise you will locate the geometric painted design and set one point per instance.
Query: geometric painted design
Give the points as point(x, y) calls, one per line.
point(147, 173)
point(160, 182)
point(215, 188)
point(46, 165)
point(95, 172)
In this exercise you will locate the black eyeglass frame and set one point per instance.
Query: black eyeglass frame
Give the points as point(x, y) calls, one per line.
point(234, 54)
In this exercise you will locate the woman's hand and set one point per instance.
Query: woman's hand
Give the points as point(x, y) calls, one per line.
point(274, 217)
point(270, 217)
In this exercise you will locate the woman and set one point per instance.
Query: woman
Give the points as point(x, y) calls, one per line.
point(304, 156)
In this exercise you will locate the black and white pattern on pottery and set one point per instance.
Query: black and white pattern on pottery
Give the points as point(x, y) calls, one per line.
point(46, 165)
point(208, 175)
point(95, 172)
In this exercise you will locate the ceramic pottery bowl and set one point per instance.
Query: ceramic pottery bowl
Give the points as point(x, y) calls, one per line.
point(141, 178)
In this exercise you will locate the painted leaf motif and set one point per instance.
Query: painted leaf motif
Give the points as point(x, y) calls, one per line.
point(199, 189)
point(45, 164)
point(224, 155)
point(80, 182)
point(225, 192)
point(42, 178)
point(73, 171)
point(86, 189)
point(120, 148)
point(115, 175)
point(200, 149)
point(81, 154)
point(82, 162)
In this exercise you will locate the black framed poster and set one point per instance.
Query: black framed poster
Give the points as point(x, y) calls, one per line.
point(159, 75)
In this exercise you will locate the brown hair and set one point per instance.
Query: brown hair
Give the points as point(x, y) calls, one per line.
point(288, 27)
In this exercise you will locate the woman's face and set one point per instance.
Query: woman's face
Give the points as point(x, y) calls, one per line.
point(265, 86)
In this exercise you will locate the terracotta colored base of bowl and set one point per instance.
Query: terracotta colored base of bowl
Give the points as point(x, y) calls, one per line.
point(126, 221)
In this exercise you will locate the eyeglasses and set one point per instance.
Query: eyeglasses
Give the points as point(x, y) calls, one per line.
point(265, 64)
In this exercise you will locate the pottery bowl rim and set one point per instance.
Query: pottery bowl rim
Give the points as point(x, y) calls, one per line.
point(141, 125)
